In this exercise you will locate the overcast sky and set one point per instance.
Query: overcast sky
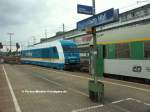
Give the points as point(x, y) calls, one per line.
point(28, 18)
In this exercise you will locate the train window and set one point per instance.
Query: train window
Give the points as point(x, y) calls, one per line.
point(84, 52)
point(122, 50)
point(147, 49)
point(67, 48)
point(36, 53)
point(54, 52)
point(28, 54)
point(44, 53)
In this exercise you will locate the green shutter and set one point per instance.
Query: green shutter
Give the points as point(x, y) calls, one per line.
point(137, 50)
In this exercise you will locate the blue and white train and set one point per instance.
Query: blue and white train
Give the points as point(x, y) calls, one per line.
point(60, 54)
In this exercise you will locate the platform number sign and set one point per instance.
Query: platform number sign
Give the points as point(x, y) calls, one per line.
point(84, 9)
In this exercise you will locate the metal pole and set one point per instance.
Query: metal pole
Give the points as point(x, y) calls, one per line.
point(34, 40)
point(63, 28)
point(10, 43)
point(94, 45)
point(96, 88)
point(10, 34)
point(45, 33)
point(93, 3)
point(63, 31)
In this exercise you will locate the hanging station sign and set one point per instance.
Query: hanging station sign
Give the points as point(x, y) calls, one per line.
point(84, 9)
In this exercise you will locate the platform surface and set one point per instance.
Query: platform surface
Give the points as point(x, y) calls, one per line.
point(28, 88)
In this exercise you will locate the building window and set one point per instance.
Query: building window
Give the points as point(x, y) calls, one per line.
point(147, 49)
point(148, 10)
point(122, 50)
point(140, 13)
point(129, 16)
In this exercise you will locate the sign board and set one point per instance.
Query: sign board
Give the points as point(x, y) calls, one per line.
point(83, 9)
point(105, 17)
point(85, 39)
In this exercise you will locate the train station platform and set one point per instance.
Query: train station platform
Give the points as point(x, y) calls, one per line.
point(27, 88)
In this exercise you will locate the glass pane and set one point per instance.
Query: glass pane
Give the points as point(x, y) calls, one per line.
point(122, 50)
point(147, 49)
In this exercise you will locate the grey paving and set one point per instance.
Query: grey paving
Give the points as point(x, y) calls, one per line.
point(118, 98)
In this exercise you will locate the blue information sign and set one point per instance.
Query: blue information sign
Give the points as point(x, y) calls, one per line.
point(83, 9)
point(105, 17)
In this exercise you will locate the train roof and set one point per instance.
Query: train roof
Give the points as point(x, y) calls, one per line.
point(67, 42)
point(50, 44)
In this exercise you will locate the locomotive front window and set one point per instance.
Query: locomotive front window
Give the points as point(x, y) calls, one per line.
point(70, 48)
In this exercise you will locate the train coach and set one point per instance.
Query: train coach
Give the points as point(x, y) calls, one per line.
point(59, 54)
point(123, 47)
